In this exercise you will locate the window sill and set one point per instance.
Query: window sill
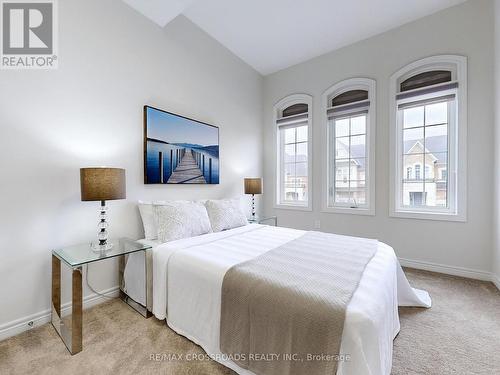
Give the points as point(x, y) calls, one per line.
point(349, 210)
point(440, 216)
point(292, 207)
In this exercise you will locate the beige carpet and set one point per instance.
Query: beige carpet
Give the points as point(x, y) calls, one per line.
point(460, 334)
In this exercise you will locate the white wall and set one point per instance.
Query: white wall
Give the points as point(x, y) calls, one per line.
point(496, 108)
point(467, 30)
point(89, 113)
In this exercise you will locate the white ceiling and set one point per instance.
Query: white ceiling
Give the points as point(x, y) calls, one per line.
point(271, 35)
point(160, 11)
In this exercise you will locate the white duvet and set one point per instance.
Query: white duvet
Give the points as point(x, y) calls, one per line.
point(188, 275)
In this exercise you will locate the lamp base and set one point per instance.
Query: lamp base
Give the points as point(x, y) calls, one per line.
point(253, 206)
point(102, 236)
point(97, 248)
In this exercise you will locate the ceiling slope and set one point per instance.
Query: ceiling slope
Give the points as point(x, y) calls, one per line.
point(271, 35)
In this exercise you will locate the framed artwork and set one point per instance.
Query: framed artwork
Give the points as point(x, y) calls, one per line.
point(179, 150)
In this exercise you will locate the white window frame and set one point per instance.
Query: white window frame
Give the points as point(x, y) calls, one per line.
point(369, 85)
point(277, 110)
point(457, 153)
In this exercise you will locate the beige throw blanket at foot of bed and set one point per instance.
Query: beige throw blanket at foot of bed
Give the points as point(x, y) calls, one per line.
point(283, 312)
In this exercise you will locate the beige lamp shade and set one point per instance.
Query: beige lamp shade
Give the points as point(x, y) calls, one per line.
point(253, 186)
point(102, 184)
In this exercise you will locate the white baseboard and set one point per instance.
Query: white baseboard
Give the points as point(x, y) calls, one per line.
point(28, 322)
point(449, 270)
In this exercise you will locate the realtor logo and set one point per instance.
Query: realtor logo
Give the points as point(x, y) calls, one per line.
point(28, 34)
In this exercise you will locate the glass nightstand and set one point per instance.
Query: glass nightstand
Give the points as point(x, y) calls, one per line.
point(264, 220)
point(75, 257)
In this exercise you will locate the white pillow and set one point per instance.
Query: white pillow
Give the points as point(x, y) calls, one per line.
point(149, 219)
point(178, 220)
point(225, 214)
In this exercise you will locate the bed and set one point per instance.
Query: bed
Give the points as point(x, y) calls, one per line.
point(188, 276)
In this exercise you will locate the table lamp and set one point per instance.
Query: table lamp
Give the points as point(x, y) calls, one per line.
point(102, 184)
point(253, 186)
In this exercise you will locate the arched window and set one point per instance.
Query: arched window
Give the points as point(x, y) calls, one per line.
point(350, 126)
point(428, 128)
point(293, 119)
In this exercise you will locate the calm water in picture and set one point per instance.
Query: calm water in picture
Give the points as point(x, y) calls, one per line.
point(171, 160)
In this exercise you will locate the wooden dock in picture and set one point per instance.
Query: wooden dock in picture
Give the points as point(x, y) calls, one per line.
point(187, 171)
